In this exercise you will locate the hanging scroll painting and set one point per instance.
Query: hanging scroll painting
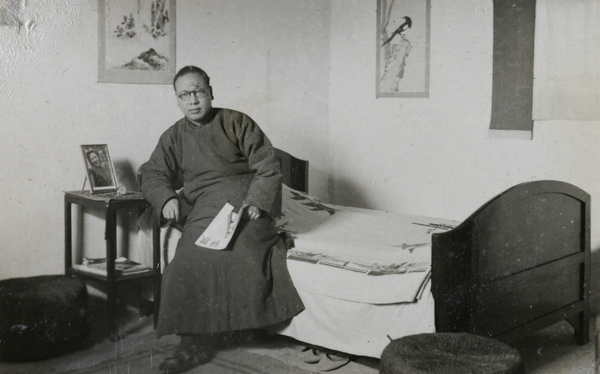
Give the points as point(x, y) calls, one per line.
point(136, 41)
point(403, 37)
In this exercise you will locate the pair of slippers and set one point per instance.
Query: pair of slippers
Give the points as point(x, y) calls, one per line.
point(324, 360)
point(185, 359)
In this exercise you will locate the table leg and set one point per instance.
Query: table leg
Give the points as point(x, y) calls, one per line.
point(68, 238)
point(111, 254)
point(158, 276)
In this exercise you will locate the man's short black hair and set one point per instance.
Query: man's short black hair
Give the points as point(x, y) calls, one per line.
point(188, 70)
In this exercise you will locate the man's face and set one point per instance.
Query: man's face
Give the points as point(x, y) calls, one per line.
point(195, 107)
point(94, 159)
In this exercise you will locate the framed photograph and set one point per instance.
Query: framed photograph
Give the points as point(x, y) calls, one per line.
point(136, 41)
point(99, 168)
point(403, 38)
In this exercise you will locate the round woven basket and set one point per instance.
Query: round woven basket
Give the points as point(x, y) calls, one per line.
point(42, 317)
point(449, 353)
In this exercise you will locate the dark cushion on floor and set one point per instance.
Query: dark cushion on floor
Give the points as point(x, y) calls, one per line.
point(42, 317)
point(449, 353)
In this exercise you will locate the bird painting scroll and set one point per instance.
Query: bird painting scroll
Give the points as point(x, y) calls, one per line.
point(403, 48)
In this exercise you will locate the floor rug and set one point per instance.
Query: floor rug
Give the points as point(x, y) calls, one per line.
point(142, 352)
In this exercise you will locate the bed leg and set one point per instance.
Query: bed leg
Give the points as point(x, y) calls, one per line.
point(581, 323)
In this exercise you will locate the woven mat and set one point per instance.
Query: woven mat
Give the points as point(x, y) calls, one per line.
point(142, 353)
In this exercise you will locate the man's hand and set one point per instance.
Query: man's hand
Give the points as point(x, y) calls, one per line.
point(171, 209)
point(253, 212)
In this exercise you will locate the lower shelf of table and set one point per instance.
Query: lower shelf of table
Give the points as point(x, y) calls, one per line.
point(150, 274)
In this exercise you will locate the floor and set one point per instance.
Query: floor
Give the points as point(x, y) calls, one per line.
point(554, 350)
point(550, 351)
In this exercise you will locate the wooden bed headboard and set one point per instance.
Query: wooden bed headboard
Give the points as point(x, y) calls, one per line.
point(520, 263)
point(294, 171)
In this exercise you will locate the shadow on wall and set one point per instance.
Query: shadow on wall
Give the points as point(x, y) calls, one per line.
point(344, 192)
point(126, 176)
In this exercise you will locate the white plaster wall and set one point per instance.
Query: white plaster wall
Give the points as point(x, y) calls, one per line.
point(434, 156)
point(270, 59)
point(267, 58)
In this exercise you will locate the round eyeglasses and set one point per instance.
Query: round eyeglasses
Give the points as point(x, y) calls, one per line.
point(200, 93)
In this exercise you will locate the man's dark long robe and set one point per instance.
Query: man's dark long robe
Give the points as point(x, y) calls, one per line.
point(226, 159)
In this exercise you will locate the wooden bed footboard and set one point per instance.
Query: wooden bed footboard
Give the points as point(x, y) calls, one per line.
point(518, 264)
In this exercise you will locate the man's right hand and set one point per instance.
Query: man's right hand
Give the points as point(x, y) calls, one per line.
point(171, 210)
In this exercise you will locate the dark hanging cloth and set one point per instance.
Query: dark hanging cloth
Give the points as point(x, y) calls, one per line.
point(512, 78)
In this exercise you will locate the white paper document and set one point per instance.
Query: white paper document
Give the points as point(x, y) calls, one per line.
point(218, 234)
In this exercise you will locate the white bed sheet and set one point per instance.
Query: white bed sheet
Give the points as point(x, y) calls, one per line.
point(394, 250)
point(357, 328)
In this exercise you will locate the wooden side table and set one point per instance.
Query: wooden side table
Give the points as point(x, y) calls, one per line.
point(111, 203)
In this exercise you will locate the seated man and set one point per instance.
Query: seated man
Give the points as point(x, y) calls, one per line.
point(218, 156)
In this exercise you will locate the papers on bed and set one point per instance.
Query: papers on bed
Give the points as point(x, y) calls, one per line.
point(373, 256)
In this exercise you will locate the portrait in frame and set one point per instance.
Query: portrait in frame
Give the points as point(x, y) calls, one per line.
point(403, 42)
point(136, 41)
point(99, 168)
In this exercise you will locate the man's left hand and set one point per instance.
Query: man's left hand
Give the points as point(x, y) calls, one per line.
point(253, 212)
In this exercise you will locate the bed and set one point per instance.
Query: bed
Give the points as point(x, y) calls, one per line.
point(519, 263)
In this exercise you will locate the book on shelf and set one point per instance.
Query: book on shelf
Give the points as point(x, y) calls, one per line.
point(123, 266)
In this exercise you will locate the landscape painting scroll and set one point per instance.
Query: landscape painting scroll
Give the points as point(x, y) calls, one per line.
point(136, 41)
